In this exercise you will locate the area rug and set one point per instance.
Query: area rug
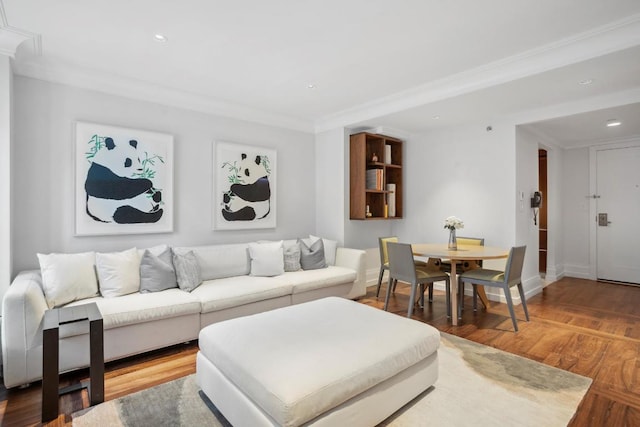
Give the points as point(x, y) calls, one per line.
point(477, 386)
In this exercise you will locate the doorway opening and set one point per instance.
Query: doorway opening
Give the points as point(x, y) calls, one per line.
point(542, 223)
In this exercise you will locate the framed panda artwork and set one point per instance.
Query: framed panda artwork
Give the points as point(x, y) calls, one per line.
point(123, 180)
point(244, 188)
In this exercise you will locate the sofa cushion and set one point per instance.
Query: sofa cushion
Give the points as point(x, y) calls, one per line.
point(118, 272)
point(303, 281)
point(157, 272)
point(139, 308)
point(68, 277)
point(267, 259)
point(239, 290)
point(217, 261)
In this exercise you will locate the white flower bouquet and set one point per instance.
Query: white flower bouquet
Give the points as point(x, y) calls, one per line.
point(453, 223)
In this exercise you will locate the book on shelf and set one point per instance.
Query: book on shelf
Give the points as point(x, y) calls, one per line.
point(375, 179)
point(391, 199)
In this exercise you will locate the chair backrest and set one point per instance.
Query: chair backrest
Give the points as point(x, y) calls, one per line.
point(401, 264)
point(513, 270)
point(477, 241)
point(382, 243)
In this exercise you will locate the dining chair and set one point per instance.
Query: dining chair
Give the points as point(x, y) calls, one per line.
point(511, 276)
point(384, 260)
point(402, 267)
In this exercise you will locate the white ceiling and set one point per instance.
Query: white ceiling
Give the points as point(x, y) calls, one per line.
point(372, 62)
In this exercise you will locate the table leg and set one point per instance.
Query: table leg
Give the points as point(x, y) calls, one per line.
point(96, 364)
point(454, 293)
point(50, 380)
point(483, 296)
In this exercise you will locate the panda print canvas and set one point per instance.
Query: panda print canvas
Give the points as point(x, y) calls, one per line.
point(123, 180)
point(245, 187)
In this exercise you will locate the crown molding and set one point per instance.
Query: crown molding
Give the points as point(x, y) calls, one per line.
point(630, 96)
point(599, 41)
point(12, 37)
point(140, 90)
point(541, 136)
point(631, 139)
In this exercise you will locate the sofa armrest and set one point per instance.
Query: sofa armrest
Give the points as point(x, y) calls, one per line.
point(354, 259)
point(23, 310)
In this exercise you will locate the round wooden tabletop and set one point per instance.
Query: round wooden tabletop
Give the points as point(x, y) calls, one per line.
point(464, 252)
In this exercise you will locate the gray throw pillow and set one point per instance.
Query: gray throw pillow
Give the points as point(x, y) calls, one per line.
point(187, 271)
point(312, 257)
point(292, 257)
point(156, 272)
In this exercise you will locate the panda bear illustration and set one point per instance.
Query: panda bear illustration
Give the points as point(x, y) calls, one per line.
point(249, 199)
point(115, 191)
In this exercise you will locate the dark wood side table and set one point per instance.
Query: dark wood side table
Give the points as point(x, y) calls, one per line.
point(53, 319)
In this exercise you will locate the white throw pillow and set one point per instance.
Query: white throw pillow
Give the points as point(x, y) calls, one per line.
point(118, 272)
point(330, 248)
point(68, 277)
point(267, 259)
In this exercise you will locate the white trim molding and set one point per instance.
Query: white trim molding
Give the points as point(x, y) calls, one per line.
point(12, 37)
point(599, 41)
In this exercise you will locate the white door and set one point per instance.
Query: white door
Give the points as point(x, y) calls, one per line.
point(618, 210)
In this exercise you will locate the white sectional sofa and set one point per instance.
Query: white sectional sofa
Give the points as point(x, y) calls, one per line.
point(140, 322)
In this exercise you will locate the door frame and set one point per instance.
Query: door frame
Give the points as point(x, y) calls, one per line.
point(593, 180)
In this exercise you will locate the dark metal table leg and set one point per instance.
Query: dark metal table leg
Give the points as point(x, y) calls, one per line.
point(96, 364)
point(50, 380)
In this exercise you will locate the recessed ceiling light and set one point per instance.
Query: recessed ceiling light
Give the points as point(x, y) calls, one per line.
point(311, 86)
point(436, 117)
point(160, 38)
point(613, 122)
point(585, 82)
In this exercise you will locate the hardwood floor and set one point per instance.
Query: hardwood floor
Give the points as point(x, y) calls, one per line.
point(589, 328)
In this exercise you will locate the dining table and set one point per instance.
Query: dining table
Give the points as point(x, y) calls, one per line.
point(461, 254)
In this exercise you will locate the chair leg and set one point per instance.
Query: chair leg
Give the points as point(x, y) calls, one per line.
point(431, 292)
point(386, 300)
point(460, 300)
point(448, 297)
point(524, 301)
point(379, 281)
point(507, 295)
point(395, 282)
point(412, 299)
point(475, 297)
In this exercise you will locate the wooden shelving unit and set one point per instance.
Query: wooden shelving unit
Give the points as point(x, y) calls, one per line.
point(364, 148)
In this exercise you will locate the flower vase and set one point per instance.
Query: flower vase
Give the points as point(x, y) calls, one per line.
point(453, 243)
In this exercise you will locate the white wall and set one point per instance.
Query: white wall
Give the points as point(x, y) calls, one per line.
point(555, 221)
point(5, 174)
point(575, 212)
point(43, 206)
point(332, 173)
point(464, 171)
point(470, 173)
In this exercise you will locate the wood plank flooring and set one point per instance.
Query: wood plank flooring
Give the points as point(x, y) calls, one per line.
point(586, 327)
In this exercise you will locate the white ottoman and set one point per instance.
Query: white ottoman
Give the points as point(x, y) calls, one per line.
point(327, 362)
